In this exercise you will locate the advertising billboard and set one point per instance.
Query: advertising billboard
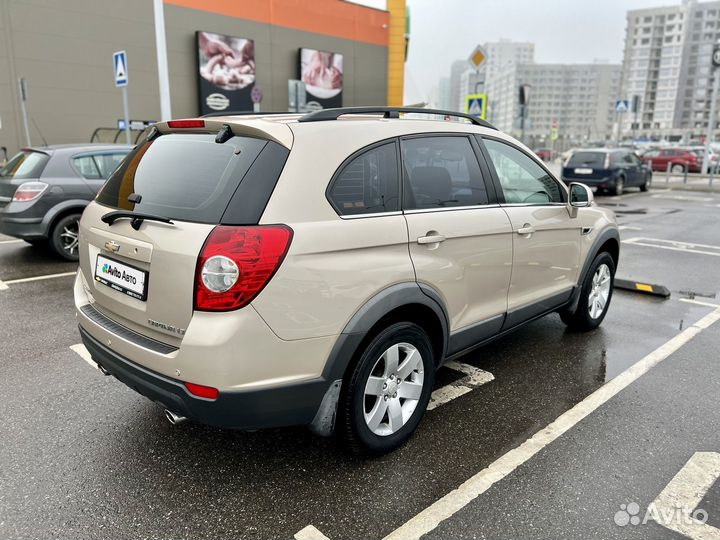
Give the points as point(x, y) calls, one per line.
point(322, 73)
point(226, 72)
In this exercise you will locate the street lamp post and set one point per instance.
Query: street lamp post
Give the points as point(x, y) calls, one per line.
point(713, 105)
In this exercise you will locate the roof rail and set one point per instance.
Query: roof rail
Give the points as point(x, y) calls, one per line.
point(387, 112)
point(244, 113)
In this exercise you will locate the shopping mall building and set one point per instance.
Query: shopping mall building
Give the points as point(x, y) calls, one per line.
point(221, 54)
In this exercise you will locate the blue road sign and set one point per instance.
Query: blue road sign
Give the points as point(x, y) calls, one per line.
point(476, 105)
point(120, 67)
point(622, 105)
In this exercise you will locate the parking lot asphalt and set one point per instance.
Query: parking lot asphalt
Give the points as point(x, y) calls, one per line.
point(83, 456)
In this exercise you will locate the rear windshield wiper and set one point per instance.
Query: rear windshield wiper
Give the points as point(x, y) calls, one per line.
point(136, 218)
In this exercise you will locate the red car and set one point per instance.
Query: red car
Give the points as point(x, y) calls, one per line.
point(678, 159)
point(546, 154)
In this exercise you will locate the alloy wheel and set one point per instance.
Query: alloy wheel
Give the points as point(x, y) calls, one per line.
point(393, 389)
point(70, 237)
point(599, 291)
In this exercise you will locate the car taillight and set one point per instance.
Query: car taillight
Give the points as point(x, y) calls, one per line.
point(29, 191)
point(236, 263)
point(186, 124)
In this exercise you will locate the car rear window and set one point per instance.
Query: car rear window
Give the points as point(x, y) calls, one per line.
point(187, 177)
point(26, 164)
point(587, 159)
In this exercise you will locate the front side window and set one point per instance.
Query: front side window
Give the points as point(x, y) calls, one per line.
point(522, 179)
point(441, 172)
point(368, 184)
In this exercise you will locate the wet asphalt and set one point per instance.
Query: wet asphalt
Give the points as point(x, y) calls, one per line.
point(83, 456)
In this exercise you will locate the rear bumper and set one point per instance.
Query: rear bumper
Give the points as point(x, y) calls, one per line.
point(295, 404)
point(25, 228)
point(594, 182)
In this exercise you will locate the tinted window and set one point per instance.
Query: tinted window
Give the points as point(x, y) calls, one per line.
point(522, 179)
point(86, 166)
point(651, 153)
point(441, 172)
point(188, 177)
point(369, 183)
point(595, 160)
point(26, 164)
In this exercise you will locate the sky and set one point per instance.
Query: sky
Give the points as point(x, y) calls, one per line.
point(564, 31)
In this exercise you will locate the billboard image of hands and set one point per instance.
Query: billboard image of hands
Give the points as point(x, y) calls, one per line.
point(322, 73)
point(226, 72)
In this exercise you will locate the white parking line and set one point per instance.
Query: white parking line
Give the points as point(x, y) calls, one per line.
point(685, 247)
point(698, 302)
point(82, 351)
point(310, 533)
point(628, 228)
point(683, 198)
point(3, 242)
point(684, 493)
point(3, 287)
point(38, 278)
point(456, 500)
point(474, 377)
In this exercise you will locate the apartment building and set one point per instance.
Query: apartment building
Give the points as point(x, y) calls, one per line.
point(668, 64)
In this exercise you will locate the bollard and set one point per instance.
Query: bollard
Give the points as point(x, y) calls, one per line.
point(685, 171)
point(667, 174)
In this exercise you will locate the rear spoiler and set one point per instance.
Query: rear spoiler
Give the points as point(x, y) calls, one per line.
point(249, 126)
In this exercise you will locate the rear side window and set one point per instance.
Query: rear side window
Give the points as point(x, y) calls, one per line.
point(369, 183)
point(26, 164)
point(442, 172)
point(188, 177)
point(595, 160)
point(87, 167)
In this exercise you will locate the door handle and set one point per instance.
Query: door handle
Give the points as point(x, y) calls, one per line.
point(526, 229)
point(433, 239)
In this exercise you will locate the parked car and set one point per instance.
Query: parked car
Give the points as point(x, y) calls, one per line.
point(608, 170)
point(546, 154)
point(251, 272)
point(678, 159)
point(713, 161)
point(44, 190)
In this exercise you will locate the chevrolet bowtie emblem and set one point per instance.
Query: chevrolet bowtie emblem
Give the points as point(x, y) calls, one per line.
point(112, 246)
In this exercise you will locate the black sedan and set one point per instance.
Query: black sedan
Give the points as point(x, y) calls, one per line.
point(44, 190)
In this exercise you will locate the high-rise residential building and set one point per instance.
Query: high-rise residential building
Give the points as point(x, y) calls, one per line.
point(668, 64)
point(443, 94)
point(578, 97)
point(457, 69)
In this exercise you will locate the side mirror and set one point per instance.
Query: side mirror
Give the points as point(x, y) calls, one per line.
point(579, 196)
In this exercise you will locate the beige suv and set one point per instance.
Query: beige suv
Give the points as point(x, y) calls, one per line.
point(261, 271)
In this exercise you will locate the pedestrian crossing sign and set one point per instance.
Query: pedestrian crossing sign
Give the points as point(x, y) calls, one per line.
point(476, 105)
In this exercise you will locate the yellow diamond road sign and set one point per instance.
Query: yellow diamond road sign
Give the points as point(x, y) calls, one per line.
point(478, 57)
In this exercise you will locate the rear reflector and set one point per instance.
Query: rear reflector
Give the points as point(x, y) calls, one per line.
point(186, 124)
point(206, 392)
point(257, 253)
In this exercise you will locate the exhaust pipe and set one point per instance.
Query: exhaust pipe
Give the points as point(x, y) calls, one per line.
point(173, 418)
point(103, 370)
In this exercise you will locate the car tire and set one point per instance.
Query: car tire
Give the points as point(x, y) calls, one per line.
point(619, 187)
point(597, 288)
point(677, 168)
point(646, 184)
point(64, 237)
point(376, 414)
